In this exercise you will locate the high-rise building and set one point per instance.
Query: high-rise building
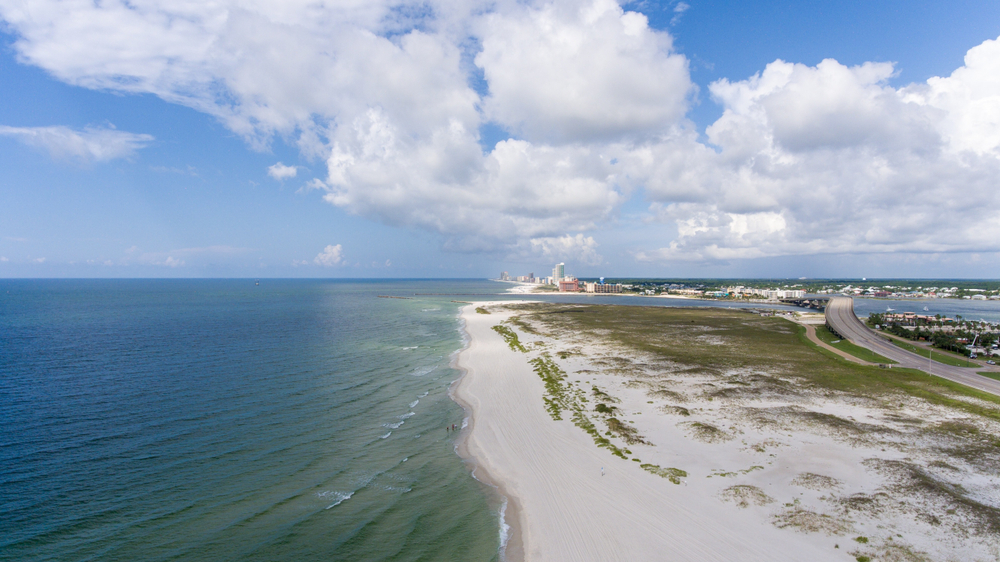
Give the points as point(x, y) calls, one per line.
point(558, 272)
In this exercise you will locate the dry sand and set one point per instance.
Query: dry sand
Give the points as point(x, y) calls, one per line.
point(563, 508)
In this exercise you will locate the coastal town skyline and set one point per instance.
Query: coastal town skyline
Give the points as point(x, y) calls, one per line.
point(654, 139)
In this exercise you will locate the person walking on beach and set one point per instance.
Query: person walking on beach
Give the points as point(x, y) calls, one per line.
point(602, 471)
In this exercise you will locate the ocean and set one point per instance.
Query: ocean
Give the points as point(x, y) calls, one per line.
point(222, 420)
point(153, 420)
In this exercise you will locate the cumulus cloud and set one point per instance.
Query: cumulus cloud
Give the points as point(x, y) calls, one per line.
point(281, 172)
point(579, 248)
point(831, 159)
point(804, 159)
point(330, 256)
point(89, 145)
point(572, 72)
point(517, 191)
point(3, 259)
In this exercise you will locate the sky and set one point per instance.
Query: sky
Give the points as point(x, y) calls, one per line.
point(451, 138)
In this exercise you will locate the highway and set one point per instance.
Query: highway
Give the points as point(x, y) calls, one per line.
point(840, 316)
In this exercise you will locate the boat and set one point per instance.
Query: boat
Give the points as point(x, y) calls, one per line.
point(926, 309)
point(257, 282)
point(887, 309)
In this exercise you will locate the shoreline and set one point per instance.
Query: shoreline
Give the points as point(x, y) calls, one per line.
point(511, 547)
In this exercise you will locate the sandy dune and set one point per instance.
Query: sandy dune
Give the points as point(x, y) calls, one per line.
point(565, 509)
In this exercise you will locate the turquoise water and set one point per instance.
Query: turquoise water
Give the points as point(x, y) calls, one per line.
point(219, 420)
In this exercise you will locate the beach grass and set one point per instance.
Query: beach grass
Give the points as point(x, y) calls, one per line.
point(674, 475)
point(826, 336)
point(510, 336)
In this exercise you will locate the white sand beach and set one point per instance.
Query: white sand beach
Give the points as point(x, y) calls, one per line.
point(573, 501)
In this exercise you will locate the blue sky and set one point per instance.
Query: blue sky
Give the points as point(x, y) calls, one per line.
point(145, 152)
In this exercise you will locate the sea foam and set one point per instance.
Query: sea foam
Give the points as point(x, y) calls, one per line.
point(338, 497)
point(421, 371)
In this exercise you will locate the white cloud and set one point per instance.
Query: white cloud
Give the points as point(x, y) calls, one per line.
point(291, 68)
point(804, 160)
point(39, 260)
point(3, 258)
point(90, 144)
point(571, 72)
point(830, 159)
point(579, 248)
point(445, 184)
point(172, 262)
point(679, 10)
point(281, 172)
point(330, 256)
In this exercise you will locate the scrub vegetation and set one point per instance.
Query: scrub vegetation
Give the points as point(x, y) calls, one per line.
point(672, 474)
point(510, 337)
point(733, 380)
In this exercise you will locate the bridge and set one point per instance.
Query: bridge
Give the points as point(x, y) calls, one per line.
point(840, 318)
point(819, 303)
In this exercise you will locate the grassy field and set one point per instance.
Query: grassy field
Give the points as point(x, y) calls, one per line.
point(990, 375)
point(946, 358)
point(718, 340)
point(826, 336)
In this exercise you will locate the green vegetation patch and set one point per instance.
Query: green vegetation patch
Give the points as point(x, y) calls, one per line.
point(481, 310)
point(744, 496)
point(672, 474)
point(510, 337)
point(706, 432)
point(816, 481)
point(561, 397)
point(990, 374)
point(558, 394)
point(605, 409)
point(669, 337)
point(625, 432)
point(826, 336)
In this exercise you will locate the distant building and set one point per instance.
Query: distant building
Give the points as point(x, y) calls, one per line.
point(568, 285)
point(504, 276)
point(766, 293)
point(558, 272)
point(602, 288)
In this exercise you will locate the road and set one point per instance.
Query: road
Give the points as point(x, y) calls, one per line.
point(840, 316)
